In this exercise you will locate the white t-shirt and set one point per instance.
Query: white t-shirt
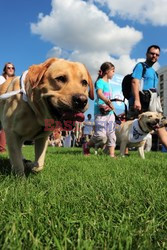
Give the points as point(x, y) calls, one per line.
point(2, 79)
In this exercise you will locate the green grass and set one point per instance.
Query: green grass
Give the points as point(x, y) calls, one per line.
point(80, 202)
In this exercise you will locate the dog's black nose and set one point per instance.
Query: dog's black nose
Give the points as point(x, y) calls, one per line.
point(79, 101)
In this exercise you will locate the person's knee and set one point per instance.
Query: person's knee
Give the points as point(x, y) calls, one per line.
point(104, 139)
point(101, 141)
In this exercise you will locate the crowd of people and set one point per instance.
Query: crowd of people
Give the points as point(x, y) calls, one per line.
point(100, 131)
point(81, 133)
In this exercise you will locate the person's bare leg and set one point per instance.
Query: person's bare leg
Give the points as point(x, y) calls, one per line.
point(162, 134)
point(112, 151)
point(126, 151)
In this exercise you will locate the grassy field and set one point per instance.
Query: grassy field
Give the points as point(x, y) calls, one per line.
point(80, 202)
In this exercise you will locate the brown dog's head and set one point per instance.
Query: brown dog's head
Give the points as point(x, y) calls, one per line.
point(62, 86)
point(149, 121)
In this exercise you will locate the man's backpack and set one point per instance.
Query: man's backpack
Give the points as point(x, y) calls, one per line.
point(126, 83)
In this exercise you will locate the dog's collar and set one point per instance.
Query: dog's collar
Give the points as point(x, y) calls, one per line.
point(22, 87)
point(146, 132)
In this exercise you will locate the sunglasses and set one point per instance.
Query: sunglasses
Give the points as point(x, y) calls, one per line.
point(151, 53)
point(10, 68)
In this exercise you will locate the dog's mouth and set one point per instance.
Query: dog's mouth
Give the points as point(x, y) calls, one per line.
point(64, 114)
point(153, 125)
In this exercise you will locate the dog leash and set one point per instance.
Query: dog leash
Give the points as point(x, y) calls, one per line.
point(117, 118)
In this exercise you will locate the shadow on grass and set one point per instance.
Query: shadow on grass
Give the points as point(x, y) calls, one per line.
point(5, 166)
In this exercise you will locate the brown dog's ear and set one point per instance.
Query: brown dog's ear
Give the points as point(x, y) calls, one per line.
point(36, 72)
point(91, 87)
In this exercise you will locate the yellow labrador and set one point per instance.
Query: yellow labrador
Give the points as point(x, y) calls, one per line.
point(49, 95)
point(134, 133)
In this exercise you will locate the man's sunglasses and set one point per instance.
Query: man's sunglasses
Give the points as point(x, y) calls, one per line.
point(151, 53)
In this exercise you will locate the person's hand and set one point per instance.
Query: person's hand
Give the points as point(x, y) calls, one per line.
point(109, 103)
point(137, 105)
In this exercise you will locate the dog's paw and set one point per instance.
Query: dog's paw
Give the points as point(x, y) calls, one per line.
point(18, 172)
point(36, 168)
point(31, 167)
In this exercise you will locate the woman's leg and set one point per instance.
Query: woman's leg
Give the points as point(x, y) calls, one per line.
point(2, 141)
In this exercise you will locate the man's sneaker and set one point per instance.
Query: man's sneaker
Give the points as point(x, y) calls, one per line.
point(86, 150)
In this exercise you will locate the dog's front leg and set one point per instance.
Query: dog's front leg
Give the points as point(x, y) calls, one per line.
point(14, 144)
point(122, 148)
point(141, 151)
point(40, 151)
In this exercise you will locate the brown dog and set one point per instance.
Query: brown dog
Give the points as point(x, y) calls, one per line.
point(49, 95)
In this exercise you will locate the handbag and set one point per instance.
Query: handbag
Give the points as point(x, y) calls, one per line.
point(150, 101)
point(155, 103)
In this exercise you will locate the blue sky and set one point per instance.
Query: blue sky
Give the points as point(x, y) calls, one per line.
point(87, 31)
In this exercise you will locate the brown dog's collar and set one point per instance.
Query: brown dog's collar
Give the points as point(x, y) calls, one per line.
point(22, 88)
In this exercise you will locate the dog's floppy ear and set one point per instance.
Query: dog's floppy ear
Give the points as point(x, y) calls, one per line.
point(141, 115)
point(91, 87)
point(36, 72)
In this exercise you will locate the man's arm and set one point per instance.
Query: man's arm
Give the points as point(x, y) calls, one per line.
point(136, 82)
point(135, 92)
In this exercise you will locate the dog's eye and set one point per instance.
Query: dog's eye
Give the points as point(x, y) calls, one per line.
point(61, 78)
point(84, 83)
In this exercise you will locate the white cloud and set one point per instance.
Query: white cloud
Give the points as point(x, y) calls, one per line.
point(124, 64)
point(164, 50)
point(80, 31)
point(142, 11)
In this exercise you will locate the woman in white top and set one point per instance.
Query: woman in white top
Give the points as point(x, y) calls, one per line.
point(8, 71)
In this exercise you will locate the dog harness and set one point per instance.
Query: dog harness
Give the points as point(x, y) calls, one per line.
point(136, 133)
point(15, 92)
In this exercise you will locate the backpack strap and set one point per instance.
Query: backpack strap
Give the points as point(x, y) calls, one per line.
point(144, 69)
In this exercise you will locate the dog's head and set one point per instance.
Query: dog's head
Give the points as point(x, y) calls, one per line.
point(61, 87)
point(149, 121)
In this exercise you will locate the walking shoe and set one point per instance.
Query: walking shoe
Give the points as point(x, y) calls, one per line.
point(86, 150)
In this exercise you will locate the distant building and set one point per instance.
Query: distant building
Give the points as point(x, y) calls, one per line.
point(162, 87)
